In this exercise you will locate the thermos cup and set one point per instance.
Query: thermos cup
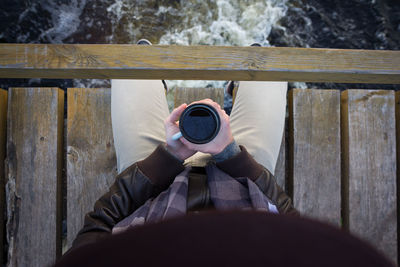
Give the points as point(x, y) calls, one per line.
point(199, 123)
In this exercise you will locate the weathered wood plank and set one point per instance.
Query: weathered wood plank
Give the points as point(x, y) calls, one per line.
point(91, 161)
point(315, 152)
point(34, 155)
point(198, 63)
point(397, 99)
point(368, 122)
point(189, 95)
point(280, 168)
point(3, 131)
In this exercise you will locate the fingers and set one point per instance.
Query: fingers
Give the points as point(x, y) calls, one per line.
point(215, 105)
point(211, 103)
point(207, 101)
point(176, 113)
point(188, 144)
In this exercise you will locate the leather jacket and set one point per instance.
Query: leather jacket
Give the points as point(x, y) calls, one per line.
point(147, 178)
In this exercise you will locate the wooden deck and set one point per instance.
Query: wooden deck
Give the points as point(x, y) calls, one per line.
point(339, 160)
point(339, 163)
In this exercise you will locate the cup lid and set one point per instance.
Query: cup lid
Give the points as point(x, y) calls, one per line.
point(199, 123)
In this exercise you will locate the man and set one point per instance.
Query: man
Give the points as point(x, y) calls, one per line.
point(149, 159)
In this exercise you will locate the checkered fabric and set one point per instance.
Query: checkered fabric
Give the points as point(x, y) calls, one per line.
point(226, 193)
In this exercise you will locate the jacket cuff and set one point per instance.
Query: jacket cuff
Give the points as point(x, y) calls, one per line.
point(241, 165)
point(230, 150)
point(161, 167)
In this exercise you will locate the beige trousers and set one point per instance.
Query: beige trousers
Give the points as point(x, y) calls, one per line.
point(139, 108)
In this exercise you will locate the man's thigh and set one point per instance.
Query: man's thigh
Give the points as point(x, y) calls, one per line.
point(257, 119)
point(138, 111)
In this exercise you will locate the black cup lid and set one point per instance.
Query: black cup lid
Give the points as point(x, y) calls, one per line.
point(199, 123)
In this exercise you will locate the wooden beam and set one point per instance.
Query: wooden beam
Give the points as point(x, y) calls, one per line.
point(369, 153)
point(34, 155)
point(198, 63)
point(3, 131)
point(91, 161)
point(315, 153)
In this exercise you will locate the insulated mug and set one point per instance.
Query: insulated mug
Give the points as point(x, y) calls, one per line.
point(199, 123)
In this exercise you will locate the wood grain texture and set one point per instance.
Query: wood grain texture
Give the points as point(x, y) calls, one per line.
point(315, 151)
point(198, 63)
point(91, 161)
point(280, 168)
point(189, 95)
point(34, 155)
point(370, 167)
point(397, 98)
point(3, 134)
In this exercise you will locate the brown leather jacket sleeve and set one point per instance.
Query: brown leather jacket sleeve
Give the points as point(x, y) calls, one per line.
point(244, 165)
point(267, 184)
point(131, 189)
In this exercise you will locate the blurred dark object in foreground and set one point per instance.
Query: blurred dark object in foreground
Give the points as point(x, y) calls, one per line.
point(229, 239)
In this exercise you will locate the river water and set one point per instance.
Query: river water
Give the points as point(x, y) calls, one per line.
point(357, 24)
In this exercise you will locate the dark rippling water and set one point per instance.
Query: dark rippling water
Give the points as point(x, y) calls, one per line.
point(357, 24)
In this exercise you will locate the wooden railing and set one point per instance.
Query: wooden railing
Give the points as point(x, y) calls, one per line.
point(339, 162)
point(199, 63)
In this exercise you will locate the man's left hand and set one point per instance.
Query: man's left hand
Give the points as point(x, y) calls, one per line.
point(176, 147)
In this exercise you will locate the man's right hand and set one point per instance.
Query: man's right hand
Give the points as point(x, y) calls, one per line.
point(176, 147)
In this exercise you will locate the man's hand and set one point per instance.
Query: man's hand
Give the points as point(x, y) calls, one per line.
point(171, 125)
point(223, 138)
